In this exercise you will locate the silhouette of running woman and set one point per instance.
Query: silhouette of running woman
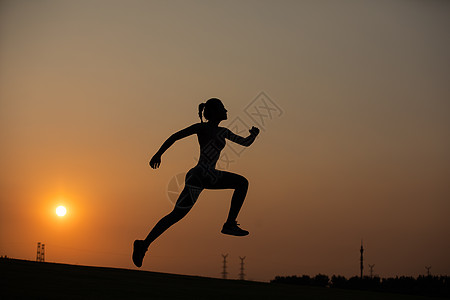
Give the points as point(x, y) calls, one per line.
point(204, 175)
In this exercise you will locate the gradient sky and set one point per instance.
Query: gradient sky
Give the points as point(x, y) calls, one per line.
point(89, 90)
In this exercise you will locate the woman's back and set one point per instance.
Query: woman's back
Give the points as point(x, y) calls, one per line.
point(212, 141)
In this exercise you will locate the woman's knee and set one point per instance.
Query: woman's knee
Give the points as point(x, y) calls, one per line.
point(243, 182)
point(187, 197)
point(178, 213)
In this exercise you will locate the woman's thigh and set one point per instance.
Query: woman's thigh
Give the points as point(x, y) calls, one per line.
point(188, 197)
point(191, 191)
point(226, 180)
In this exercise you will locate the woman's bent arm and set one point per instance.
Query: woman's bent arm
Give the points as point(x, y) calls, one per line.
point(241, 140)
point(177, 136)
point(156, 159)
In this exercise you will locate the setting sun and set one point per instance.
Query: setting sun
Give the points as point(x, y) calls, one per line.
point(61, 211)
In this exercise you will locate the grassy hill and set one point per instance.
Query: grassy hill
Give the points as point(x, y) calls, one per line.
point(21, 279)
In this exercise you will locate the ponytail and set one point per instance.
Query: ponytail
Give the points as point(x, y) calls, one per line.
point(200, 110)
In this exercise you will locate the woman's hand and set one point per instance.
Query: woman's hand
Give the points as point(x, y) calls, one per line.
point(155, 161)
point(254, 131)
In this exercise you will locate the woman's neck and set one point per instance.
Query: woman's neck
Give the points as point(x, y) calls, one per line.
point(213, 123)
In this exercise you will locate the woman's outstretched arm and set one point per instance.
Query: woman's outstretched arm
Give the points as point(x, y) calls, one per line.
point(241, 140)
point(156, 159)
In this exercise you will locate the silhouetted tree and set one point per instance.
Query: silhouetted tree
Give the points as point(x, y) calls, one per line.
point(422, 285)
point(321, 280)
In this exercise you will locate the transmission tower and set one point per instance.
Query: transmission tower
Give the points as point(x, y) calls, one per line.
point(42, 253)
point(242, 274)
point(224, 272)
point(361, 259)
point(38, 252)
point(428, 270)
point(371, 270)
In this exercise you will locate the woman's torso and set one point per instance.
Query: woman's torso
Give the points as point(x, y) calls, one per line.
point(212, 141)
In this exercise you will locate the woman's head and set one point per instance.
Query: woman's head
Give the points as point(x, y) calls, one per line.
point(213, 110)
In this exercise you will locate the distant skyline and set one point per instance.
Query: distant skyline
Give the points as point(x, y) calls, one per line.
point(359, 149)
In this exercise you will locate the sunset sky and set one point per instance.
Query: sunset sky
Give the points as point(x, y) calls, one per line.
point(357, 146)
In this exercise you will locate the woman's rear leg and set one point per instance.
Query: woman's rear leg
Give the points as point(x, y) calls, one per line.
point(185, 202)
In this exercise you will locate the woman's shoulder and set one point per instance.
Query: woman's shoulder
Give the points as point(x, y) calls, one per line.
point(192, 129)
point(205, 128)
point(196, 125)
point(223, 129)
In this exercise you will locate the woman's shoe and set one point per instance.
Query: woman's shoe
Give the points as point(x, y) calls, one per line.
point(232, 228)
point(139, 250)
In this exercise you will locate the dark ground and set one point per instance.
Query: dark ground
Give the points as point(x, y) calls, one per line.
point(20, 279)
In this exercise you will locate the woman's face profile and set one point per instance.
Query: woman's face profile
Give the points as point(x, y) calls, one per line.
point(223, 113)
point(219, 113)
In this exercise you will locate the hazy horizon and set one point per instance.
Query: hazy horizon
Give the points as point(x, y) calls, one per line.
point(359, 148)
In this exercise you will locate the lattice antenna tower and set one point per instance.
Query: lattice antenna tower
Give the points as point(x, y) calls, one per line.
point(362, 258)
point(371, 270)
point(428, 270)
point(224, 271)
point(242, 274)
point(42, 253)
point(38, 252)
